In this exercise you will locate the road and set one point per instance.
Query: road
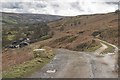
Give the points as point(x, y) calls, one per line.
point(73, 64)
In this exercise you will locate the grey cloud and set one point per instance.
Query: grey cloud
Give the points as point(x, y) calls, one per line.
point(77, 6)
point(112, 3)
point(63, 7)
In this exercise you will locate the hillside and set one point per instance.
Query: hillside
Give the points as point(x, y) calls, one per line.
point(81, 30)
point(74, 30)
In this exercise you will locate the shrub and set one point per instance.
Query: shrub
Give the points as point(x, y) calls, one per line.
point(95, 33)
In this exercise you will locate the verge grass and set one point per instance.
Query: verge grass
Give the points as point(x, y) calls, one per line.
point(26, 68)
point(110, 49)
point(92, 49)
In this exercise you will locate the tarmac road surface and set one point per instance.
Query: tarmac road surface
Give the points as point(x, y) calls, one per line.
point(73, 64)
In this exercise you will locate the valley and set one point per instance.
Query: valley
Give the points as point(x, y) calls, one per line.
point(84, 45)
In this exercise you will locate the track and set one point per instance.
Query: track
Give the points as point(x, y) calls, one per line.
point(73, 64)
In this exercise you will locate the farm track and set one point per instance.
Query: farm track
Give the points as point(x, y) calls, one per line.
point(73, 64)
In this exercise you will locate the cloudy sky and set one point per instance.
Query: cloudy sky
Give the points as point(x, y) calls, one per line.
point(59, 7)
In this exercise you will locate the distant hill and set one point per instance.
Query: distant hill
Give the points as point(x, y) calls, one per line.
point(15, 18)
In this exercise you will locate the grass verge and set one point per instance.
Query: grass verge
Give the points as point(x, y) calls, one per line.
point(91, 49)
point(26, 68)
point(110, 49)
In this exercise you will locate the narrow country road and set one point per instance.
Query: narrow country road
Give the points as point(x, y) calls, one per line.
point(73, 64)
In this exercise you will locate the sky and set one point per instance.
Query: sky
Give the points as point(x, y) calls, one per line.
point(59, 7)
